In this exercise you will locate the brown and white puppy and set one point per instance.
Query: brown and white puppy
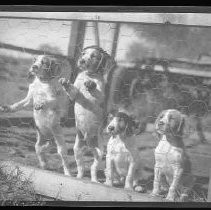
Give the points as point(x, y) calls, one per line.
point(123, 159)
point(88, 91)
point(49, 101)
point(171, 160)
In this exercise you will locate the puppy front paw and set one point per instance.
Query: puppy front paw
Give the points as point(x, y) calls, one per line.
point(65, 83)
point(128, 187)
point(140, 189)
point(108, 183)
point(155, 193)
point(5, 109)
point(170, 198)
point(90, 85)
point(39, 106)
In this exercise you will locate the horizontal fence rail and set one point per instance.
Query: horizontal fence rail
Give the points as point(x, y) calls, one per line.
point(192, 19)
point(33, 51)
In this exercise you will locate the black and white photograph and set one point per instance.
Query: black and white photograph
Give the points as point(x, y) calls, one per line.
point(105, 107)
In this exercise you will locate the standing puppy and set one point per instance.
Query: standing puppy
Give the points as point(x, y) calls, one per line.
point(171, 160)
point(122, 157)
point(48, 99)
point(88, 91)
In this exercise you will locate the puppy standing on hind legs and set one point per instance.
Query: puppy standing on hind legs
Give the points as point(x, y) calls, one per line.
point(88, 92)
point(48, 99)
point(171, 160)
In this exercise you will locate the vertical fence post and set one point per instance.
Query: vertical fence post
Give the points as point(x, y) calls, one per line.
point(97, 38)
point(209, 188)
point(74, 48)
point(76, 42)
point(115, 40)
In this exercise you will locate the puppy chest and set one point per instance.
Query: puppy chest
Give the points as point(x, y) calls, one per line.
point(119, 153)
point(45, 92)
point(167, 155)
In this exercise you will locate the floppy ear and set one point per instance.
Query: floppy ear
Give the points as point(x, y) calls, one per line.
point(106, 62)
point(181, 126)
point(130, 127)
point(55, 67)
point(185, 128)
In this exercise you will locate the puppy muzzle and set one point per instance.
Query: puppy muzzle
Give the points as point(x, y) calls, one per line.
point(83, 63)
point(111, 130)
point(30, 75)
point(160, 127)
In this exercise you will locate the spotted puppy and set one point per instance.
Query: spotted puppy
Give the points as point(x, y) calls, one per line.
point(123, 160)
point(172, 164)
point(88, 92)
point(48, 99)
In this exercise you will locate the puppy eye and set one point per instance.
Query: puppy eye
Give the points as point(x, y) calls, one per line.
point(93, 56)
point(171, 117)
point(121, 120)
point(161, 116)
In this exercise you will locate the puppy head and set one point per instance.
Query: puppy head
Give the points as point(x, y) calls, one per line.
point(171, 122)
point(121, 123)
point(94, 59)
point(45, 67)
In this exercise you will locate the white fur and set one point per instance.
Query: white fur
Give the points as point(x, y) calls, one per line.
point(90, 105)
point(123, 160)
point(49, 101)
point(89, 120)
point(171, 161)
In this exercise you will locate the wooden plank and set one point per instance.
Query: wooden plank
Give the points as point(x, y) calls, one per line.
point(115, 40)
point(209, 187)
point(32, 51)
point(97, 37)
point(186, 19)
point(67, 188)
point(200, 72)
point(76, 43)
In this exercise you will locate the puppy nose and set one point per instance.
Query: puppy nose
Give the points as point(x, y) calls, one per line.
point(34, 67)
point(30, 75)
point(110, 128)
point(82, 61)
point(160, 123)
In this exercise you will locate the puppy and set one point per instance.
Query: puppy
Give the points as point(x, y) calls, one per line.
point(88, 92)
point(122, 159)
point(171, 160)
point(48, 99)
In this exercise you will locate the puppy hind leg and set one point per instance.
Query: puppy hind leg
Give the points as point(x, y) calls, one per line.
point(137, 177)
point(130, 176)
point(157, 181)
point(40, 147)
point(78, 154)
point(175, 184)
point(62, 149)
point(98, 155)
